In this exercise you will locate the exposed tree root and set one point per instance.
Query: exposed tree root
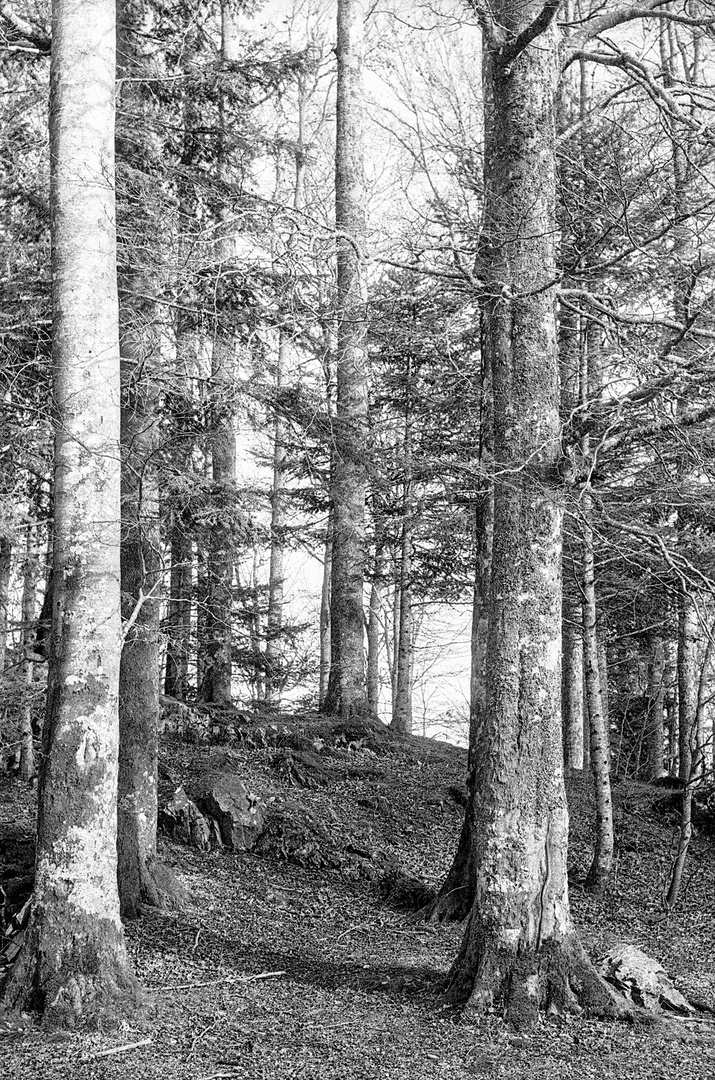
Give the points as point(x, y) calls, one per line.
point(154, 886)
point(556, 979)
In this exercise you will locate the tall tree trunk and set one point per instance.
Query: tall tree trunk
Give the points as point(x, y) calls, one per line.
point(600, 869)
point(655, 710)
point(5, 567)
point(346, 686)
point(29, 592)
point(686, 257)
point(671, 705)
point(140, 533)
point(181, 403)
point(276, 572)
point(688, 634)
point(178, 621)
point(520, 952)
point(572, 709)
point(258, 681)
point(324, 673)
point(697, 766)
point(402, 706)
point(374, 626)
point(594, 662)
point(218, 665)
point(73, 966)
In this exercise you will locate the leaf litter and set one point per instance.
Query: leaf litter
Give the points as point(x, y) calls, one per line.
point(279, 970)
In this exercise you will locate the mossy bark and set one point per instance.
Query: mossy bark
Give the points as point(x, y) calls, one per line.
point(73, 967)
point(520, 954)
point(346, 692)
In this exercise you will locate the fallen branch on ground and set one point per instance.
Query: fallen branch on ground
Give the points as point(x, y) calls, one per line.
point(116, 1050)
point(216, 982)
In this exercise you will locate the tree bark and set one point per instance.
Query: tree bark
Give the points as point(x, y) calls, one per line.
point(29, 592)
point(5, 566)
point(276, 572)
point(655, 710)
point(374, 626)
point(181, 404)
point(572, 686)
point(346, 692)
point(141, 568)
point(216, 685)
point(687, 681)
point(324, 673)
point(73, 967)
point(402, 706)
point(520, 952)
point(600, 869)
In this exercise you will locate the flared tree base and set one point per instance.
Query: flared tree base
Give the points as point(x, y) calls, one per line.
point(72, 972)
point(151, 887)
point(556, 979)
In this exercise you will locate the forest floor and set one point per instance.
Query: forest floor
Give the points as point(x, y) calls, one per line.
point(277, 970)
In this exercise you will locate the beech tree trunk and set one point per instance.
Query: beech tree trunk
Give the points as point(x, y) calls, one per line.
point(572, 686)
point(520, 952)
point(594, 654)
point(140, 534)
point(73, 967)
point(600, 869)
point(346, 692)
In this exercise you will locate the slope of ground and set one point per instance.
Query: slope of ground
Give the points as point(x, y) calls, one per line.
point(279, 970)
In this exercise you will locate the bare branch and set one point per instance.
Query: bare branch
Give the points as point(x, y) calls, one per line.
point(487, 24)
point(29, 31)
point(602, 24)
point(509, 52)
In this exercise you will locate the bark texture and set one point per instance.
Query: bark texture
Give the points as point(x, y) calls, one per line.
point(279, 505)
point(404, 648)
point(572, 686)
point(73, 966)
point(655, 715)
point(346, 693)
point(688, 634)
point(182, 404)
point(5, 565)
point(600, 869)
point(218, 661)
point(520, 953)
point(374, 627)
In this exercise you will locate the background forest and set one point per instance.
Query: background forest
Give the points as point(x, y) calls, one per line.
point(414, 425)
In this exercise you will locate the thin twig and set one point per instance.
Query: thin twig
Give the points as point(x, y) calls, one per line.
point(216, 982)
point(116, 1050)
